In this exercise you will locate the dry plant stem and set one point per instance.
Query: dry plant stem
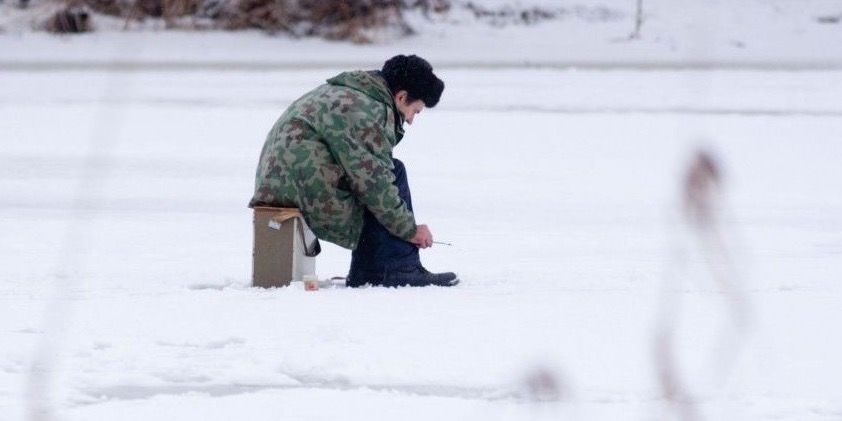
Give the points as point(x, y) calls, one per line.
point(638, 21)
point(73, 256)
point(701, 197)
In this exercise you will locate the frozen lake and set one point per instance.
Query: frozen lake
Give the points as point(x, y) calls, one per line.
point(126, 246)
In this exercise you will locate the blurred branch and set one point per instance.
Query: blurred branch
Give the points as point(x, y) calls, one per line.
point(638, 21)
point(701, 201)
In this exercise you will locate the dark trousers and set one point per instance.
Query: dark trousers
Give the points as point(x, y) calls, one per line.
point(378, 250)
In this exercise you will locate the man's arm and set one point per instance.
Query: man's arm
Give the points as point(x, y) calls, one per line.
point(359, 144)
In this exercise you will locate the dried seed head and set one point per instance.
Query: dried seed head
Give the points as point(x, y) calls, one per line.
point(701, 190)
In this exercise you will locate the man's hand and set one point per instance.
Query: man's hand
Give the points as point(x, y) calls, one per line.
point(423, 237)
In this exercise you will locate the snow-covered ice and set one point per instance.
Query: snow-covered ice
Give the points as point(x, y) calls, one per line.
point(126, 192)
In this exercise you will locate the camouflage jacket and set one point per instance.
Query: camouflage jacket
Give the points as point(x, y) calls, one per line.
point(330, 155)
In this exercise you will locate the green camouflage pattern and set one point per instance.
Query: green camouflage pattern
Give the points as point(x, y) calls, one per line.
point(330, 155)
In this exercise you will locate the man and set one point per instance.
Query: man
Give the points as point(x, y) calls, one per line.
point(330, 155)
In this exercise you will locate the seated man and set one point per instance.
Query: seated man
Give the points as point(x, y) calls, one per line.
point(330, 155)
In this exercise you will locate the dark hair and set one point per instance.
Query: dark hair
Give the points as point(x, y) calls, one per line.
point(414, 75)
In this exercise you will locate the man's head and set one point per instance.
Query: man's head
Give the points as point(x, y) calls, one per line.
point(412, 83)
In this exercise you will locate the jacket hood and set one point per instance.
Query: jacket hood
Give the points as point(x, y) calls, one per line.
point(369, 83)
point(373, 85)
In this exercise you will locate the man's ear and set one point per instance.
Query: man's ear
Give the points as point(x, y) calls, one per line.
point(401, 97)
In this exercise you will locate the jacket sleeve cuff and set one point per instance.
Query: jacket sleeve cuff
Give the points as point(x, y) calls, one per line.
point(409, 235)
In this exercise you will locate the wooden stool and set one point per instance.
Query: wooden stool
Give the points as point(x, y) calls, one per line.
point(284, 247)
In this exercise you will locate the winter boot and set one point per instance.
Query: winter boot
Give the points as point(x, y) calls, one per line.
point(417, 276)
point(414, 276)
point(358, 278)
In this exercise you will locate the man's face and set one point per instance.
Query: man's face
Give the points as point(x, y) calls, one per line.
point(408, 109)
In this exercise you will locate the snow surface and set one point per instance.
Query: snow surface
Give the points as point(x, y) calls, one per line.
point(125, 192)
point(125, 240)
